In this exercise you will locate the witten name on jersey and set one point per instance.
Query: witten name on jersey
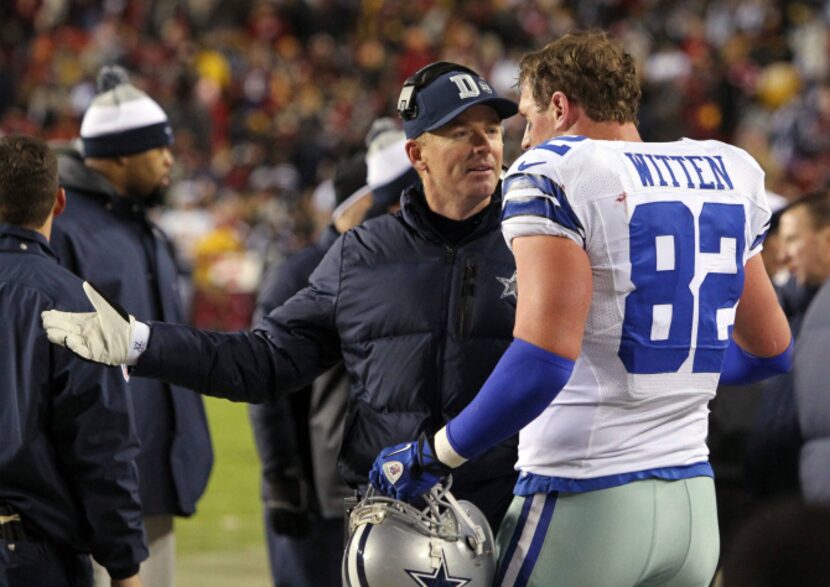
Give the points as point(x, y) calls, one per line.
point(668, 228)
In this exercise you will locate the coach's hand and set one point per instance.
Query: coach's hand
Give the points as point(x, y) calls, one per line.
point(407, 471)
point(103, 336)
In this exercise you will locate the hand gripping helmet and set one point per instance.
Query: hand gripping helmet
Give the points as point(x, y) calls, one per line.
point(393, 544)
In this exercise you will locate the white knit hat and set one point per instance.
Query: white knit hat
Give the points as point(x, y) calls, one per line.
point(122, 120)
point(388, 169)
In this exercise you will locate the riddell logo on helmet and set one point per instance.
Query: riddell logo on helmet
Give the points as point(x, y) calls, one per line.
point(393, 471)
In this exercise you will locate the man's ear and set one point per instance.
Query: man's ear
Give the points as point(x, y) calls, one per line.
point(561, 110)
point(415, 153)
point(60, 202)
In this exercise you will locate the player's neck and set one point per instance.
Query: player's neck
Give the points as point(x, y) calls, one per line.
point(607, 131)
point(45, 229)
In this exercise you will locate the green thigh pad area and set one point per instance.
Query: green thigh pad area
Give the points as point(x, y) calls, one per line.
point(646, 533)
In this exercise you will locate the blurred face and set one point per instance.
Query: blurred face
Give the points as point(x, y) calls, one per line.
point(771, 254)
point(462, 160)
point(803, 249)
point(539, 124)
point(148, 173)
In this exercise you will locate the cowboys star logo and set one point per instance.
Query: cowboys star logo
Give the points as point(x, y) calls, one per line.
point(439, 577)
point(511, 287)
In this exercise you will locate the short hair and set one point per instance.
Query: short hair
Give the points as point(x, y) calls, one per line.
point(28, 180)
point(818, 208)
point(590, 70)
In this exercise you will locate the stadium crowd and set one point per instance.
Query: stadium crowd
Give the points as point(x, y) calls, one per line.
point(265, 96)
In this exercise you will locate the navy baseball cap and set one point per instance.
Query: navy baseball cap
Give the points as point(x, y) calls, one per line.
point(428, 105)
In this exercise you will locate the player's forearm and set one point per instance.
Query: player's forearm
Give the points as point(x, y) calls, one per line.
point(743, 368)
point(525, 381)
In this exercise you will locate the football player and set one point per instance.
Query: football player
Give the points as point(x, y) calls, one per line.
point(640, 287)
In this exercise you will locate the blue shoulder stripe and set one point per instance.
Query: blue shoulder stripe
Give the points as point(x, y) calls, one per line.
point(558, 211)
point(560, 150)
point(760, 238)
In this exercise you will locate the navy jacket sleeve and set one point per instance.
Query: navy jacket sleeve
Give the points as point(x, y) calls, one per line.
point(92, 427)
point(287, 350)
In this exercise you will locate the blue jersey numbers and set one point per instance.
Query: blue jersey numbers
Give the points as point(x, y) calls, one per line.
point(680, 284)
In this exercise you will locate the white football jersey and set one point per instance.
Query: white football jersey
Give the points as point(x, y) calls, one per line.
point(668, 228)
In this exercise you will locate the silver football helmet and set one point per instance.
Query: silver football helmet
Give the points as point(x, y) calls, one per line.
point(393, 544)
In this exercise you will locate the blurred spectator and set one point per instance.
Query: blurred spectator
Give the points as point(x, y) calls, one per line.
point(811, 265)
point(771, 253)
point(226, 273)
point(776, 442)
point(106, 237)
point(388, 171)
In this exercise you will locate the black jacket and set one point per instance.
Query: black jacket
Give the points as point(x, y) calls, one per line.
point(107, 239)
point(419, 324)
point(67, 456)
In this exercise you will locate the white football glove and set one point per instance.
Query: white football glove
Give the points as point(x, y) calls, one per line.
point(109, 335)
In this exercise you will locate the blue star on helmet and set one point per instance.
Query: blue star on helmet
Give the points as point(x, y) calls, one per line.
point(511, 286)
point(439, 577)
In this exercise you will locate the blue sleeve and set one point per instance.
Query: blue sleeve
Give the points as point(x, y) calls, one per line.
point(525, 381)
point(742, 368)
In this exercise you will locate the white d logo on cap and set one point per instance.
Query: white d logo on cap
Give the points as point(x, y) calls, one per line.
point(466, 84)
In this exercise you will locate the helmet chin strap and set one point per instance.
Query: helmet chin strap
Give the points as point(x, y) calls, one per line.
point(479, 537)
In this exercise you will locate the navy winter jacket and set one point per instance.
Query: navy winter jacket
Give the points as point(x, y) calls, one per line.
point(419, 324)
point(107, 239)
point(67, 456)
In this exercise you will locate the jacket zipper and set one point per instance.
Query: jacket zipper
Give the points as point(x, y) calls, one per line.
point(468, 292)
point(437, 409)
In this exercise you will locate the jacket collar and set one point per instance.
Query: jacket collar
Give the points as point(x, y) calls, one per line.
point(17, 238)
point(414, 212)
